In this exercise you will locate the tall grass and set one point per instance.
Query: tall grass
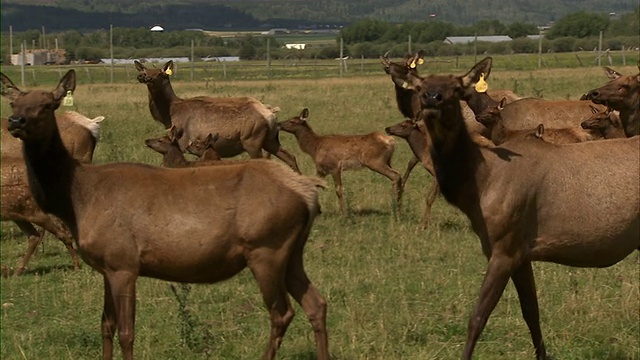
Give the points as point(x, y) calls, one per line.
point(394, 292)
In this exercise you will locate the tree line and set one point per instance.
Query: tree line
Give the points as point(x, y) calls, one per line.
point(367, 38)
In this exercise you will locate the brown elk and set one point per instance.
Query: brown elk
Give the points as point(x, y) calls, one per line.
point(243, 124)
point(332, 154)
point(172, 156)
point(256, 214)
point(621, 93)
point(529, 200)
point(204, 148)
point(79, 136)
point(607, 123)
point(416, 136)
point(492, 119)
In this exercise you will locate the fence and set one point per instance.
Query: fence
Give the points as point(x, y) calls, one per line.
point(292, 68)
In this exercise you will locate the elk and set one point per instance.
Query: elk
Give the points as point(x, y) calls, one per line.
point(416, 136)
point(256, 214)
point(204, 149)
point(79, 136)
point(607, 123)
point(243, 124)
point(621, 93)
point(529, 200)
point(172, 156)
point(333, 154)
point(492, 119)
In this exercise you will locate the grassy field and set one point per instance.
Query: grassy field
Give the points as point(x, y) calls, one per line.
point(394, 291)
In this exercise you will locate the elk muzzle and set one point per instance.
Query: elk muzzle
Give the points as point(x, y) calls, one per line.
point(17, 125)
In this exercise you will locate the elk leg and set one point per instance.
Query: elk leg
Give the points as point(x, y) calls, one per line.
point(34, 238)
point(55, 227)
point(275, 148)
point(526, 287)
point(123, 295)
point(431, 198)
point(313, 304)
point(269, 274)
point(495, 280)
point(389, 172)
point(337, 181)
point(109, 322)
point(410, 165)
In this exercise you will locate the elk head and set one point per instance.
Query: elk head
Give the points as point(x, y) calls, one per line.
point(198, 147)
point(33, 117)
point(295, 122)
point(402, 129)
point(154, 76)
point(619, 93)
point(491, 115)
point(399, 72)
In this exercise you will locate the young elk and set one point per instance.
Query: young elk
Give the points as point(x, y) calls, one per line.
point(80, 135)
point(416, 135)
point(256, 214)
point(492, 119)
point(529, 200)
point(622, 93)
point(244, 124)
point(172, 156)
point(332, 154)
point(204, 149)
point(607, 123)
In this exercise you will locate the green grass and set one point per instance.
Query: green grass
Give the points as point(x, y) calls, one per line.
point(394, 291)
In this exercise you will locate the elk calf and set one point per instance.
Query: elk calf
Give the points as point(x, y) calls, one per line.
point(607, 123)
point(204, 149)
point(172, 156)
point(333, 154)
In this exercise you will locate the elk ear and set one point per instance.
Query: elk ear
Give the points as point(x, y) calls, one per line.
point(139, 66)
point(208, 140)
point(384, 59)
point(540, 131)
point(9, 89)
point(66, 84)
point(168, 68)
point(502, 103)
point(480, 70)
point(611, 74)
point(214, 138)
point(594, 110)
point(304, 115)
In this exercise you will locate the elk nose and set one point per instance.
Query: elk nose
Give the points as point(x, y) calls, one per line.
point(432, 100)
point(593, 94)
point(584, 125)
point(16, 120)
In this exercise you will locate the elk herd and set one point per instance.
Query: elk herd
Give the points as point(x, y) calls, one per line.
point(539, 180)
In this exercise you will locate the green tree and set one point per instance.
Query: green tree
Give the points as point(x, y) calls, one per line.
point(518, 29)
point(581, 24)
point(364, 30)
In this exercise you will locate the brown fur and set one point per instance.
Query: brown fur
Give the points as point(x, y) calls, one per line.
point(416, 136)
point(607, 123)
point(621, 93)
point(133, 220)
point(243, 124)
point(333, 154)
point(79, 136)
point(492, 119)
point(529, 200)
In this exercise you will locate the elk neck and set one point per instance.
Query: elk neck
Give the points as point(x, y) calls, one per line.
point(417, 143)
point(405, 101)
point(51, 173)
point(161, 97)
point(307, 139)
point(457, 159)
point(478, 102)
point(630, 118)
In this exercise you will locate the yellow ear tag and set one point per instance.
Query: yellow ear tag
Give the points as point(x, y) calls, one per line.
point(413, 64)
point(420, 61)
point(405, 85)
point(68, 100)
point(481, 85)
point(169, 72)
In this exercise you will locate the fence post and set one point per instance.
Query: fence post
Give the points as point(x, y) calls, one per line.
point(600, 48)
point(193, 61)
point(268, 58)
point(341, 55)
point(540, 49)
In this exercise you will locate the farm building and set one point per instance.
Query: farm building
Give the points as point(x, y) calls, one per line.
point(295, 46)
point(469, 39)
point(40, 57)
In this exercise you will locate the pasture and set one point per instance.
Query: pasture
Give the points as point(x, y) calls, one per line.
point(394, 291)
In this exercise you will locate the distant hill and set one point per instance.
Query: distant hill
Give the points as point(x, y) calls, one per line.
point(254, 14)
